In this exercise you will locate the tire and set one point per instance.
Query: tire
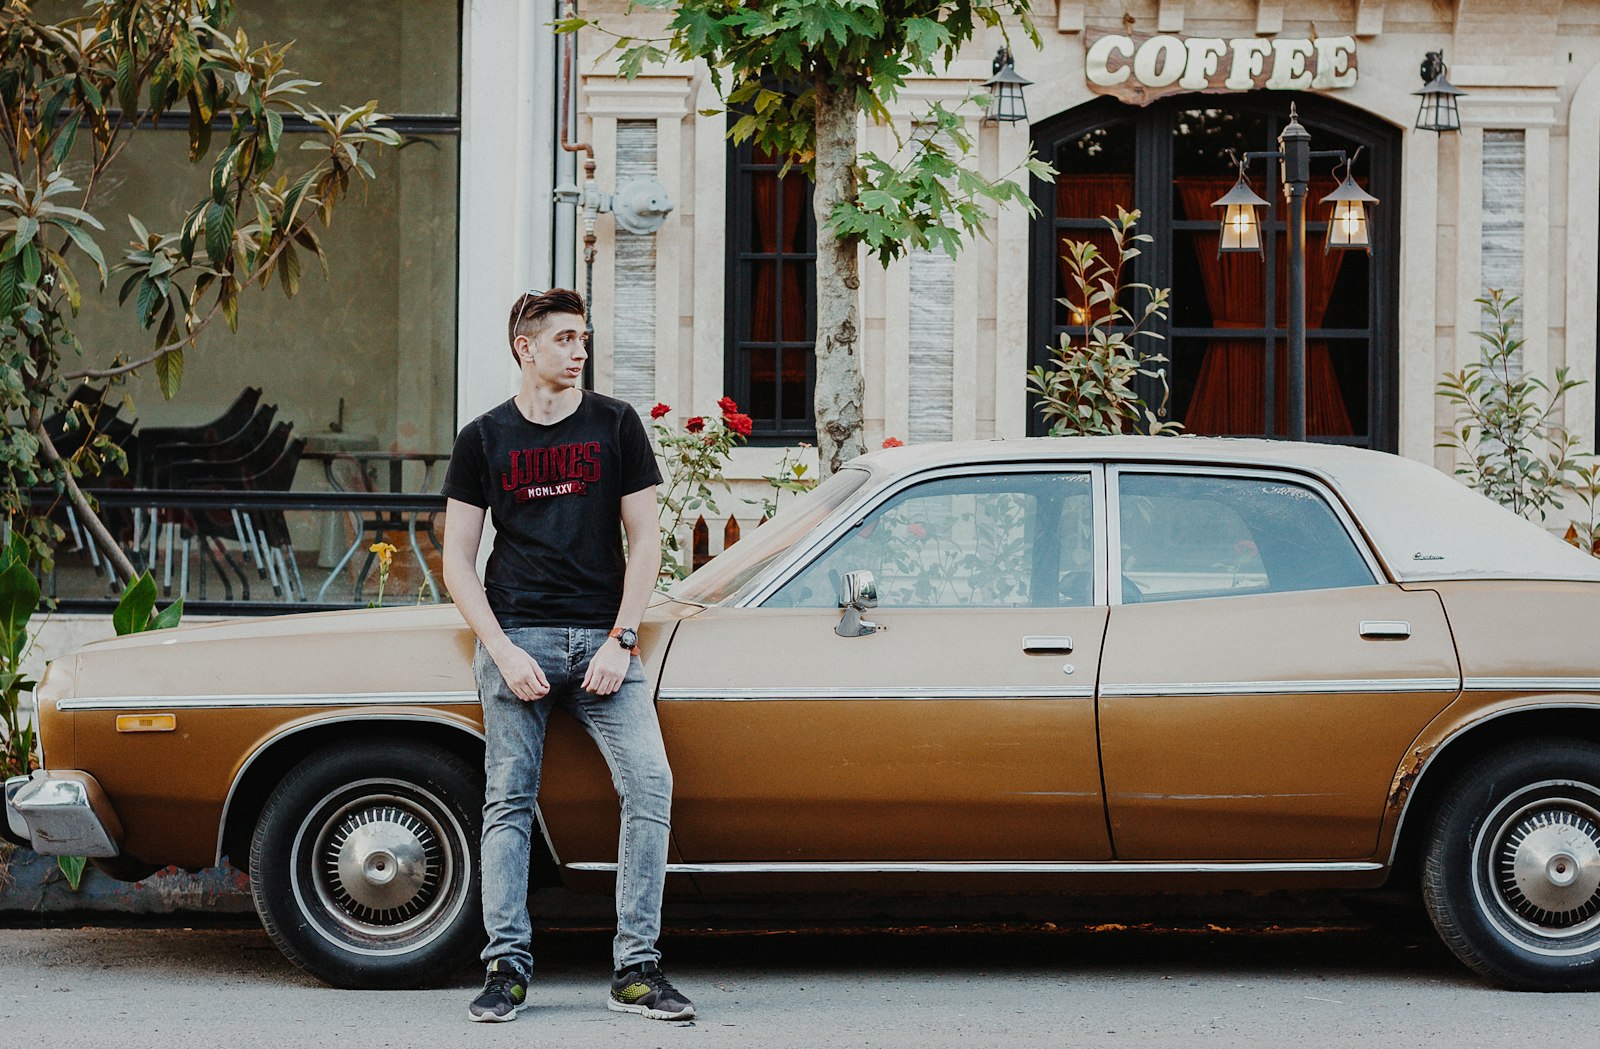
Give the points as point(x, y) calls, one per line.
point(1511, 875)
point(364, 864)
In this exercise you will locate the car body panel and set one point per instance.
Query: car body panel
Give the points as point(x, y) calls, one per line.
point(1208, 738)
point(789, 742)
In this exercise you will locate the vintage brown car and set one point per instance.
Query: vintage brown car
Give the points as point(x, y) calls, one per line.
point(1093, 665)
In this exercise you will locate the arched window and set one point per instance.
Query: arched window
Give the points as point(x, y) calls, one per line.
point(1226, 333)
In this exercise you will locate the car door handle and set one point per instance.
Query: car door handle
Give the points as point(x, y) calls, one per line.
point(1035, 644)
point(1385, 629)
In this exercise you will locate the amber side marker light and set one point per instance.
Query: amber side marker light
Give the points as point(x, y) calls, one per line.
point(147, 722)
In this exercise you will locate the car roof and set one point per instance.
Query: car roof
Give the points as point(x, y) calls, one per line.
point(1424, 524)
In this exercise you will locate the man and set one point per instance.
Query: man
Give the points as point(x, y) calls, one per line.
point(556, 615)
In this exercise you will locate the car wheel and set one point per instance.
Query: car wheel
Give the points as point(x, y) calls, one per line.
point(364, 864)
point(1511, 876)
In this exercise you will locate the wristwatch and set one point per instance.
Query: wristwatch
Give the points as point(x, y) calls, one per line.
point(626, 636)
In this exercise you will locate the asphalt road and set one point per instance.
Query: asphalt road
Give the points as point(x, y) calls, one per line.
point(1010, 986)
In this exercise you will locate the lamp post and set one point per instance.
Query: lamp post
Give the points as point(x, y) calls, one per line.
point(1349, 228)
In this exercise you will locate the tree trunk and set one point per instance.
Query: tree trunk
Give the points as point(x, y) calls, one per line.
point(840, 386)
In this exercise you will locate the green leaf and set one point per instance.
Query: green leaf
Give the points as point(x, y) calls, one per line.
point(169, 616)
point(273, 137)
point(32, 264)
point(72, 867)
point(132, 613)
point(149, 298)
point(127, 97)
point(83, 240)
point(219, 233)
point(169, 371)
point(69, 135)
point(19, 598)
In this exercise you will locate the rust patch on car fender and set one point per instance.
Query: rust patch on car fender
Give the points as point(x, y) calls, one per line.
point(1408, 779)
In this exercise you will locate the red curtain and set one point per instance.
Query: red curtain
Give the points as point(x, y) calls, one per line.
point(1230, 393)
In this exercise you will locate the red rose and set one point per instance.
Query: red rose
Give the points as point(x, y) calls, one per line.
point(893, 442)
point(695, 425)
point(659, 410)
point(916, 531)
point(739, 423)
point(728, 406)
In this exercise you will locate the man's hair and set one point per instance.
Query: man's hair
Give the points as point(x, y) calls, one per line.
point(529, 312)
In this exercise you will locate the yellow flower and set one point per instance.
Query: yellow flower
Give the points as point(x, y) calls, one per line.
point(385, 552)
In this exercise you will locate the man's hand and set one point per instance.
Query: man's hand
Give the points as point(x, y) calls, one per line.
point(522, 673)
point(607, 669)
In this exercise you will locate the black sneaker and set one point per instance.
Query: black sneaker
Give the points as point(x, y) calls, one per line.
point(645, 990)
point(505, 992)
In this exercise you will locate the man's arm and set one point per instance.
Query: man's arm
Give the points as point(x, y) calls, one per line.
point(610, 665)
point(463, 531)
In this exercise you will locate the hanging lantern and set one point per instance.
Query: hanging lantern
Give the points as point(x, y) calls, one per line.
point(1241, 221)
point(1006, 104)
point(1438, 111)
point(1350, 221)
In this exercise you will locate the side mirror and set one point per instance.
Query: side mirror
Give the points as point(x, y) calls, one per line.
point(858, 591)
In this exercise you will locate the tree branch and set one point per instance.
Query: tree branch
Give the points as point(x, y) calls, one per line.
point(91, 520)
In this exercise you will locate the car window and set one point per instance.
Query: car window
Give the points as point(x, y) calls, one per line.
point(1185, 537)
point(1004, 540)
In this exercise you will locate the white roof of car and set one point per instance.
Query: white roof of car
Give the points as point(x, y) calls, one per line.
point(1424, 524)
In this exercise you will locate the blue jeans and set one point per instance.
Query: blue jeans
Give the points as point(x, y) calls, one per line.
point(625, 728)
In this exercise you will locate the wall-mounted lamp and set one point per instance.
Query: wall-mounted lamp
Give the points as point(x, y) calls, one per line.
point(1438, 111)
point(1006, 104)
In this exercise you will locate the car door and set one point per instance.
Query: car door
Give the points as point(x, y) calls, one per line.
point(1260, 682)
point(961, 730)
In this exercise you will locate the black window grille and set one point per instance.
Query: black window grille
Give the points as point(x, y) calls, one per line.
point(771, 296)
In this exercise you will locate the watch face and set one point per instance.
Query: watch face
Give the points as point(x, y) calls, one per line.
point(629, 638)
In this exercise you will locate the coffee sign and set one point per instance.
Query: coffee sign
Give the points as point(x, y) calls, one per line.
point(1141, 67)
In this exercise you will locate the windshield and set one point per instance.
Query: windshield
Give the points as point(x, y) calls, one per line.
point(732, 569)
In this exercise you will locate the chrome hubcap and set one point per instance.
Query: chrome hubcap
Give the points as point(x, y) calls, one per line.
point(1546, 868)
point(388, 869)
point(384, 860)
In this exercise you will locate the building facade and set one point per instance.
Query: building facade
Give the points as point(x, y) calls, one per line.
point(406, 339)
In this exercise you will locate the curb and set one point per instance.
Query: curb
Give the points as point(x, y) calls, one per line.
point(33, 884)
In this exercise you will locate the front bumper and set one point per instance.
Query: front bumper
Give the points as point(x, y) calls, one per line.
point(62, 812)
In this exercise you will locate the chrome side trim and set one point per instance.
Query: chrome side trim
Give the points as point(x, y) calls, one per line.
point(227, 804)
point(1272, 688)
point(287, 699)
point(1005, 867)
point(1533, 684)
point(757, 695)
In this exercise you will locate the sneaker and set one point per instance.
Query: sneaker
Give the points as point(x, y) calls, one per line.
point(505, 992)
point(645, 990)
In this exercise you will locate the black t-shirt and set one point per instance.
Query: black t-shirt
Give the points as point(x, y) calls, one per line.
point(555, 496)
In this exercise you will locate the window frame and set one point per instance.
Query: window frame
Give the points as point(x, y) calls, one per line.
point(802, 555)
point(1330, 499)
point(1151, 127)
point(738, 286)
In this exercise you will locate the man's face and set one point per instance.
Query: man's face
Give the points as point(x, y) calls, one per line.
point(557, 353)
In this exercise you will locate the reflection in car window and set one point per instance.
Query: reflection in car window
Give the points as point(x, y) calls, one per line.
point(1006, 540)
point(1185, 537)
point(733, 568)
